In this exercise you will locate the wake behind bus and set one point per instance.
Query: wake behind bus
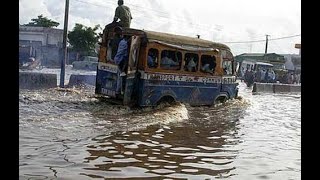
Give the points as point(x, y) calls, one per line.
point(164, 67)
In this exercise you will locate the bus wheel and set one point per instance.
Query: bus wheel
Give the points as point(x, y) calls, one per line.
point(166, 100)
point(221, 99)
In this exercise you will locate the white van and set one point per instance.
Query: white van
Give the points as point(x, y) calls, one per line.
point(86, 63)
point(252, 65)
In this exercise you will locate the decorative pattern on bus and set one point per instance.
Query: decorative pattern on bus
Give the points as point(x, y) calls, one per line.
point(108, 92)
point(108, 67)
point(187, 78)
point(228, 79)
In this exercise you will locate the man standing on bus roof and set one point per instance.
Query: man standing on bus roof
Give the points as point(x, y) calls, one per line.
point(123, 13)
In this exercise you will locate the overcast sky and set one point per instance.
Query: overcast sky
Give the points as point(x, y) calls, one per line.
point(226, 21)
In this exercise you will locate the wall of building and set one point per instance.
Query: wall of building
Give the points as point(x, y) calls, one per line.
point(51, 56)
point(38, 37)
point(46, 41)
point(288, 65)
point(276, 59)
point(293, 61)
point(54, 36)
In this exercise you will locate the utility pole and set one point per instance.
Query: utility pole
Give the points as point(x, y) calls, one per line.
point(298, 46)
point(64, 46)
point(266, 50)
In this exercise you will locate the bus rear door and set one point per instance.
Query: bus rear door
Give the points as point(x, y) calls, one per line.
point(131, 80)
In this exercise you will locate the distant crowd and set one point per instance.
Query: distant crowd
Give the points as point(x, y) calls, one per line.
point(270, 76)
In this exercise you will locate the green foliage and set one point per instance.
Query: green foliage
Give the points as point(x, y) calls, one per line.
point(42, 22)
point(83, 39)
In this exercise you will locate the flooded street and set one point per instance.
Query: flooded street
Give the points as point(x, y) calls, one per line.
point(69, 134)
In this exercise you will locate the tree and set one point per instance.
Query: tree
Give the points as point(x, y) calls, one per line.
point(42, 22)
point(83, 39)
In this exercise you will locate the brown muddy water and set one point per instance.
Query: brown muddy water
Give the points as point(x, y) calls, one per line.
point(68, 134)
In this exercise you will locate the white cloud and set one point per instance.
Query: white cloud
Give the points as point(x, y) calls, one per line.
point(31, 9)
point(224, 21)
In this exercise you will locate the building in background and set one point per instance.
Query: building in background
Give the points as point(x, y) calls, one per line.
point(297, 61)
point(45, 44)
point(293, 61)
point(277, 60)
point(298, 46)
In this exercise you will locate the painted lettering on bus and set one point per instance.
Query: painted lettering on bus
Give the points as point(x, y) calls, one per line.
point(164, 77)
point(211, 80)
point(108, 92)
point(228, 80)
point(184, 78)
point(107, 67)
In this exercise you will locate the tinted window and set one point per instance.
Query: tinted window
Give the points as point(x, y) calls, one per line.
point(191, 62)
point(170, 59)
point(208, 63)
point(152, 58)
point(227, 67)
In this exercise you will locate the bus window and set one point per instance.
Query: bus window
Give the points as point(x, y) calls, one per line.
point(228, 63)
point(227, 67)
point(153, 58)
point(170, 59)
point(191, 62)
point(208, 63)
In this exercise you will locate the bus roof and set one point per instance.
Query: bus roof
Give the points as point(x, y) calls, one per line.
point(178, 40)
point(183, 40)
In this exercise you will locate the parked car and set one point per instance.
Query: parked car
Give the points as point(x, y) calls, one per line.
point(86, 63)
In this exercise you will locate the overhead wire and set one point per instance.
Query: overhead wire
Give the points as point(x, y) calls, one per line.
point(196, 26)
point(285, 37)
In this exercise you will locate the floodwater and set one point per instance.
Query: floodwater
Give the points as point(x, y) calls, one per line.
point(69, 134)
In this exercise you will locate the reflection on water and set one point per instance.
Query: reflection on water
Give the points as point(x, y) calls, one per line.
point(181, 150)
point(71, 135)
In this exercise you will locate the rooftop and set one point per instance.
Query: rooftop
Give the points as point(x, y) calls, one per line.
point(258, 54)
point(39, 29)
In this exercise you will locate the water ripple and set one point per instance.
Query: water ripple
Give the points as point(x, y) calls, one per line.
point(68, 134)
